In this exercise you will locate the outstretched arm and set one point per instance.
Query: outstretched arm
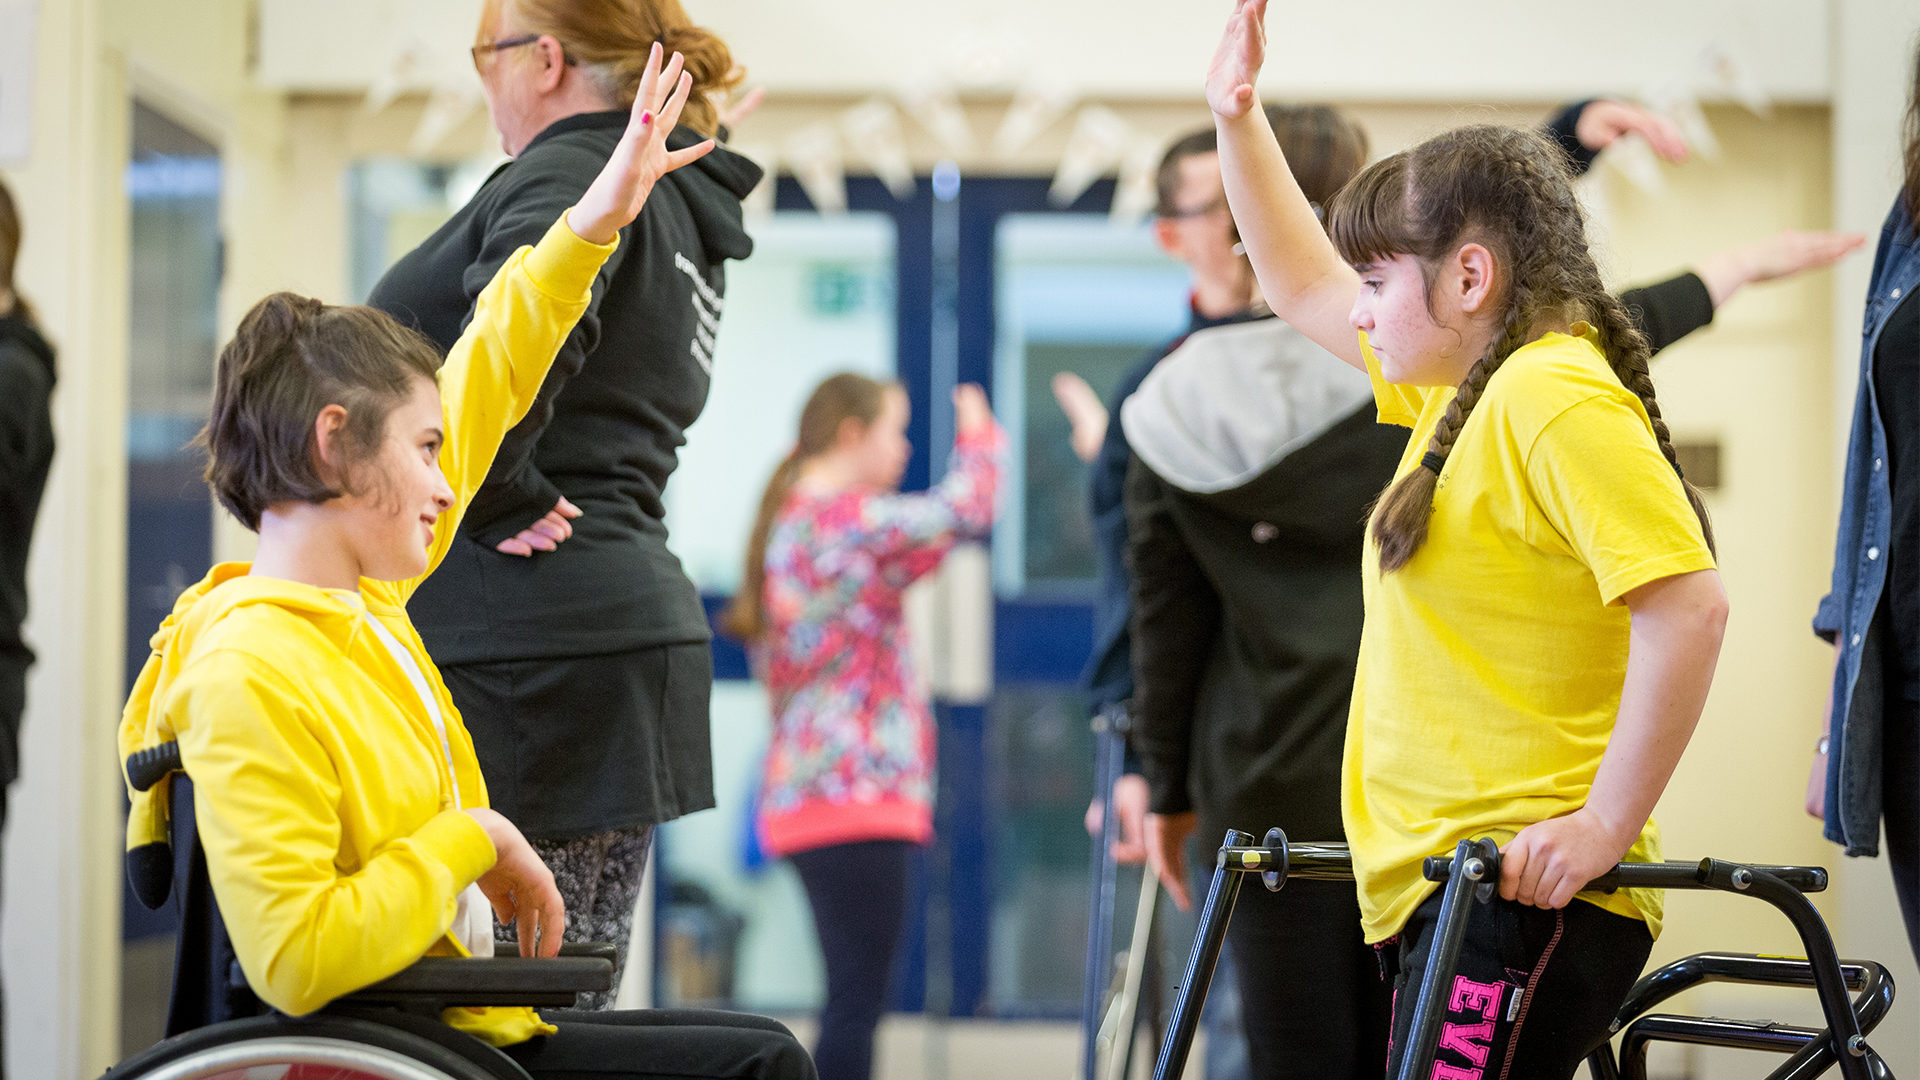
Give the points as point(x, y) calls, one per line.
point(1302, 277)
point(1670, 310)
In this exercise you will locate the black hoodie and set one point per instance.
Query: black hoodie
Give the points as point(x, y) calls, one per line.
point(610, 419)
point(26, 451)
point(1255, 456)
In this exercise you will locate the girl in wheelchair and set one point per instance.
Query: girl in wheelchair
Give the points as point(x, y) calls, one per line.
point(339, 803)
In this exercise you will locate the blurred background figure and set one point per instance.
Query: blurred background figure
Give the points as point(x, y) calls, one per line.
point(572, 641)
point(848, 792)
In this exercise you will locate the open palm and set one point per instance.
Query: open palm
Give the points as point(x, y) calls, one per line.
point(615, 197)
point(1236, 64)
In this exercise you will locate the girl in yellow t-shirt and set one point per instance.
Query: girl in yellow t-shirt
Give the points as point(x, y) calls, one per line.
point(1543, 613)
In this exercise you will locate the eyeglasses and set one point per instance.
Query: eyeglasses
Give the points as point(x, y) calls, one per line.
point(483, 50)
point(1206, 209)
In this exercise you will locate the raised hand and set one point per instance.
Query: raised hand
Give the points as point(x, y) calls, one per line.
point(735, 113)
point(1086, 416)
point(1603, 122)
point(1236, 64)
point(971, 413)
point(615, 197)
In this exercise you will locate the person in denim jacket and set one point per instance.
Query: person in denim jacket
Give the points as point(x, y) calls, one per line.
point(1867, 764)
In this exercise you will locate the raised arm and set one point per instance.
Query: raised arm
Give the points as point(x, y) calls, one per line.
point(910, 534)
point(1303, 278)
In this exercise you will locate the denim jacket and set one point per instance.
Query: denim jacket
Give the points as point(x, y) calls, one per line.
point(1860, 558)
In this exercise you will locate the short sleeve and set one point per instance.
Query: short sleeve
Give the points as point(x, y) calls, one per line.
point(1603, 486)
point(1398, 405)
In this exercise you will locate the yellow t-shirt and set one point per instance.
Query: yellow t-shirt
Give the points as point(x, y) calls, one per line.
point(1491, 664)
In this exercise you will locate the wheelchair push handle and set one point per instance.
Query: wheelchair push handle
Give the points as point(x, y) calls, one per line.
point(148, 767)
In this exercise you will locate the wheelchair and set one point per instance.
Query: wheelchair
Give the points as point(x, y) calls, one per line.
point(1470, 876)
point(218, 1030)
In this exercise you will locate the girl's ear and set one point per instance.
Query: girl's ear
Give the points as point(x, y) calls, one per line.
point(329, 446)
point(849, 433)
point(1476, 271)
point(554, 56)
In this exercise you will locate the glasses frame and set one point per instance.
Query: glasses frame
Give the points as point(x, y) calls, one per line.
point(485, 49)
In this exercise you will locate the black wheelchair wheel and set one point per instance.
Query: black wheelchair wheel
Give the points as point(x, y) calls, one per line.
point(357, 1047)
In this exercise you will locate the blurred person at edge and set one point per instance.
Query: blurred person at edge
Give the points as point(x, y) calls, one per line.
point(26, 451)
point(1866, 766)
point(569, 635)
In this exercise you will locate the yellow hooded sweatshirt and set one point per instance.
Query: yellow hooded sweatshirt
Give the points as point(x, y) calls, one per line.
point(322, 792)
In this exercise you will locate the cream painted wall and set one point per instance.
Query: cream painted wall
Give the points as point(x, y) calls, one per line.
point(62, 879)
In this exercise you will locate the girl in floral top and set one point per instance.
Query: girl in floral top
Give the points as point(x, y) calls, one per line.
point(848, 793)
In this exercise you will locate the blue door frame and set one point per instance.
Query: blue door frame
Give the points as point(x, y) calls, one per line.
point(1039, 641)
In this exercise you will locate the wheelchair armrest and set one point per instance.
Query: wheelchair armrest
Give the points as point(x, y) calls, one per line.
point(603, 950)
point(443, 981)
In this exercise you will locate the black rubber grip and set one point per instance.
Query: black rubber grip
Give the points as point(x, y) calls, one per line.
point(148, 767)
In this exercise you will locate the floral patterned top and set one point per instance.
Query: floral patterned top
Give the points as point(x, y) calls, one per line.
point(853, 743)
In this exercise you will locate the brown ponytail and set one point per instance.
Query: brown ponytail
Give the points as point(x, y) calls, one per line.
point(10, 251)
point(840, 398)
point(1508, 190)
point(609, 39)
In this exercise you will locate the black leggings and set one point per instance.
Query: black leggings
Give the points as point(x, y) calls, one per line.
point(1311, 997)
point(663, 1044)
point(1533, 994)
point(1900, 805)
point(859, 897)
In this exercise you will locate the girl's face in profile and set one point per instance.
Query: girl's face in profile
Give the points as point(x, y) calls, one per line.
point(398, 496)
point(1411, 340)
point(882, 450)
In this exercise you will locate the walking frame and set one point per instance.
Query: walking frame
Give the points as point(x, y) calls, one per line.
point(1471, 876)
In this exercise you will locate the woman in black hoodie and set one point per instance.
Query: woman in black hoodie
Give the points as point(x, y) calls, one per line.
point(568, 634)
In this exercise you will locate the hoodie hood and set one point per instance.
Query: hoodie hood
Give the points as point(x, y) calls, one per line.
point(227, 588)
point(15, 329)
point(712, 186)
point(1234, 401)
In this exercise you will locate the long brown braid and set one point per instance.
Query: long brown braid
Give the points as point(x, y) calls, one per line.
point(1509, 191)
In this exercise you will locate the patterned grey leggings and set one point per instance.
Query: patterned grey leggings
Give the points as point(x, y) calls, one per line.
point(599, 878)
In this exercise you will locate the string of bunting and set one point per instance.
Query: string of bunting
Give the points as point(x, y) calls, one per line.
point(1099, 142)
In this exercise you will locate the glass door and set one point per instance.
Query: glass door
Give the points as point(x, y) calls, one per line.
point(173, 183)
point(975, 280)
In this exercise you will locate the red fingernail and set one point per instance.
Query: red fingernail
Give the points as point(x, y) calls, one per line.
point(646, 118)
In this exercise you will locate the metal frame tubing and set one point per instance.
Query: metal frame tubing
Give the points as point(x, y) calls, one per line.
point(1109, 733)
point(1222, 892)
point(1474, 862)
